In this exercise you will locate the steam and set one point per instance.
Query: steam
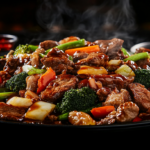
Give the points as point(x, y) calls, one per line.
point(113, 18)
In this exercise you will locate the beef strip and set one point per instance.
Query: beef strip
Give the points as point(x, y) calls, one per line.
point(79, 55)
point(5, 76)
point(58, 61)
point(35, 58)
point(9, 112)
point(56, 88)
point(2, 63)
point(48, 44)
point(69, 39)
point(103, 92)
point(13, 62)
point(143, 63)
point(142, 49)
point(110, 47)
point(115, 98)
point(141, 96)
point(126, 112)
point(109, 119)
point(110, 81)
point(94, 59)
point(32, 82)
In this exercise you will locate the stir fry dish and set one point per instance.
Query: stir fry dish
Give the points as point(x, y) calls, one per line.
point(75, 82)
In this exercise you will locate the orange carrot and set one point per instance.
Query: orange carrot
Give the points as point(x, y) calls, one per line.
point(88, 49)
point(102, 112)
point(44, 80)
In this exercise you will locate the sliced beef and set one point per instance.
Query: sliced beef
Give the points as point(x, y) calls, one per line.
point(103, 93)
point(109, 119)
point(142, 49)
point(69, 39)
point(4, 77)
point(79, 55)
point(141, 96)
point(110, 81)
point(9, 112)
point(2, 63)
point(110, 47)
point(126, 112)
point(13, 62)
point(115, 98)
point(48, 44)
point(143, 63)
point(56, 88)
point(32, 82)
point(35, 58)
point(58, 61)
point(94, 59)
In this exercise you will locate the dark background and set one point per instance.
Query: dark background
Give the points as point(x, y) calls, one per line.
point(24, 19)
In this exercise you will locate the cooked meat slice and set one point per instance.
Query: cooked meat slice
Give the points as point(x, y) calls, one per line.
point(143, 63)
point(141, 96)
point(69, 39)
point(94, 59)
point(110, 81)
point(142, 49)
point(48, 44)
point(115, 98)
point(56, 88)
point(35, 58)
point(131, 64)
point(80, 118)
point(126, 112)
point(110, 47)
point(9, 112)
point(83, 83)
point(2, 63)
point(103, 93)
point(32, 82)
point(5, 76)
point(58, 61)
point(13, 62)
point(22, 93)
point(79, 55)
point(109, 119)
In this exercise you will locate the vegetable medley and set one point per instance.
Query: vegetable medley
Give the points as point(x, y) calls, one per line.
point(75, 82)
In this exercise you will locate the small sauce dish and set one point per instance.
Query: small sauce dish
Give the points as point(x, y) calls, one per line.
point(7, 42)
point(137, 46)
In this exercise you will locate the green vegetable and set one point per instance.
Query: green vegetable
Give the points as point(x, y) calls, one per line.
point(6, 95)
point(41, 55)
point(30, 70)
point(142, 76)
point(125, 52)
point(70, 58)
point(69, 45)
point(77, 99)
point(17, 82)
point(138, 56)
point(88, 111)
point(36, 71)
point(21, 49)
point(2, 57)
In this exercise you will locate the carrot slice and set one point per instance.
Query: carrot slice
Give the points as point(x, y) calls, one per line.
point(88, 49)
point(137, 119)
point(102, 112)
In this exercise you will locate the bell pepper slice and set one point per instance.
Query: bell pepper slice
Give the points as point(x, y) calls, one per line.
point(45, 79)
point(102, 112)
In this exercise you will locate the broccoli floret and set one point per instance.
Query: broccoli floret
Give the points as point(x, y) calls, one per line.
point(21, 49)
point(142, 76)
point(77, 99)
point(17, 82)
